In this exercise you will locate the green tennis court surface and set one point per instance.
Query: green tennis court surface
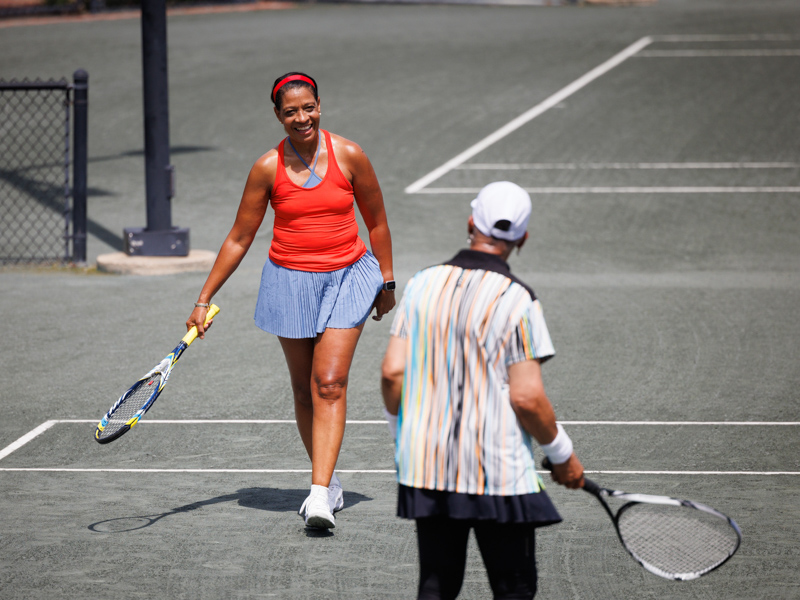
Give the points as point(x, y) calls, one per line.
point(661, 148)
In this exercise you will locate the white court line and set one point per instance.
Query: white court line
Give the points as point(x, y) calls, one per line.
point(714, 53)
point(26, 438)
point(531, 114)
point(218, 421)
point(631, 190)
point(624, 166)
point(572, 88)
point(737, 37)
point(109, 470)
point(681, 423)
point(603, 472)
point(34, 433)
point(370, 471)
point(48, 424)
point(382, 422)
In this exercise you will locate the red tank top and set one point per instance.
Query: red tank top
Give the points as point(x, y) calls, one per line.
point(315, 228)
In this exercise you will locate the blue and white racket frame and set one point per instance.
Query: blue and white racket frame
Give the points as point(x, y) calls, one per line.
point(164, 369)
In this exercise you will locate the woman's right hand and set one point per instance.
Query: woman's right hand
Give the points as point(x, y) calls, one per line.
point(198, 319)
point(570, 473)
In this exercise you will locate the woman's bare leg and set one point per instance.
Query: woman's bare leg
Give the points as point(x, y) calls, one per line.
point(299, 355)
point(333, 355)
point(319, 370)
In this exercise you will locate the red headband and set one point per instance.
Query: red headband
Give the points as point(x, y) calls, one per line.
point(286, 80)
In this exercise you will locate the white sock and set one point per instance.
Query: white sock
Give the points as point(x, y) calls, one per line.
point(334, 481)
point(320, 489)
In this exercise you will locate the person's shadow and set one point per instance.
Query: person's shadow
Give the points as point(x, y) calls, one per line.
point(271, 499)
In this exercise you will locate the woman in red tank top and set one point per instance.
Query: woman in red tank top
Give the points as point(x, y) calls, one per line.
point(320, 282)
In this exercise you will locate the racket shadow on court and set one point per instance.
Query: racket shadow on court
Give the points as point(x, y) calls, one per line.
point(260, 498)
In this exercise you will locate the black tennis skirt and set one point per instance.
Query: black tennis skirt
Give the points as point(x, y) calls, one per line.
point(417, 503)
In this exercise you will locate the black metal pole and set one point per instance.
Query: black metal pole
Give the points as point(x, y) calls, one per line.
point(156, 114)
point(159, 238)
point(80, 102)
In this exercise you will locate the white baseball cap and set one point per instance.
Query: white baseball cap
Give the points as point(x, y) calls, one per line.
point(502, 210)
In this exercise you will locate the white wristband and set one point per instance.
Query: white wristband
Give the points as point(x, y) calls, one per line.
point(560, 449)
point(392, 422)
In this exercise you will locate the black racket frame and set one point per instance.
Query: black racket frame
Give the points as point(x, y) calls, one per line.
point(602, 493)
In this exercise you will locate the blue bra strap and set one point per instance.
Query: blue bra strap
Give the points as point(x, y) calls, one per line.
point(313, 179)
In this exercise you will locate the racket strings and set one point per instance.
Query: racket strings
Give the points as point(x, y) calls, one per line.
point(675, 539)
point(131, 405)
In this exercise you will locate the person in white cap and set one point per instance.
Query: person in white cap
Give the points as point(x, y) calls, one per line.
point(463, 393)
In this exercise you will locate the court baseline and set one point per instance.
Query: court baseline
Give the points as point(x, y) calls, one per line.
point(36, 432)
point(634, 50)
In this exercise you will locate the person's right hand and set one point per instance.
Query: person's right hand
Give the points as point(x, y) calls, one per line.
point(198, 319)
point(570, 473)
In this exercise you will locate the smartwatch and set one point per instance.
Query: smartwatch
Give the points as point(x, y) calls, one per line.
point(389, 285)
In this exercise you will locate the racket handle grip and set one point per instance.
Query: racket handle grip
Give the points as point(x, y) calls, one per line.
point(591, 487)
point(191, 335)
point(212, 312)
point(588, 485)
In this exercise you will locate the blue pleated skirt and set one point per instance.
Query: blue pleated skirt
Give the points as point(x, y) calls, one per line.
point(301, 304)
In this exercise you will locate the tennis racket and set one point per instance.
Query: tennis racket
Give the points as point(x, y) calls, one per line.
point(132, 405)
point(672, 538)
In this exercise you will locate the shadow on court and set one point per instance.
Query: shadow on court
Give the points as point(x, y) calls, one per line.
point(260, 498)
point(51, 198)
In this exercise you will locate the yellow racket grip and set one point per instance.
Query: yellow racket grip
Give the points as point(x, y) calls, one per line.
point(191, 335)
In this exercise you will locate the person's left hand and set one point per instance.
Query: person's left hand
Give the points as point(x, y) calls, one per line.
point(384, 302)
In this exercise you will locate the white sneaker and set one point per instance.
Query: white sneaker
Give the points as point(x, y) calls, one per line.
point(335, 494)
point(316, 510)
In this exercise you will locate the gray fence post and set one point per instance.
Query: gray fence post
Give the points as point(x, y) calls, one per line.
point(79, 161)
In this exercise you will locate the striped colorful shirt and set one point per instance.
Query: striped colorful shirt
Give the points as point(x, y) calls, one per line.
point(465, 322)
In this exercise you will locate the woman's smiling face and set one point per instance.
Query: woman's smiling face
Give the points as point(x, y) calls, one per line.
point(299, 114)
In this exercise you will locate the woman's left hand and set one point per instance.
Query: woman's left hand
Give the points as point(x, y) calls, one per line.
point(384, 302)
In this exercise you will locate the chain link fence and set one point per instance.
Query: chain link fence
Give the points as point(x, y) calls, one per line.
point(35, 194)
